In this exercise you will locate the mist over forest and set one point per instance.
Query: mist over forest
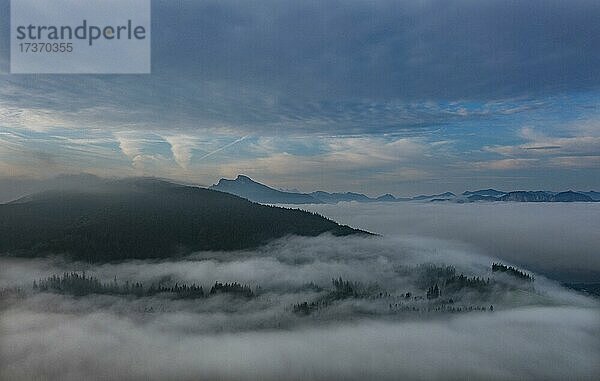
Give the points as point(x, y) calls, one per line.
point(356, 307)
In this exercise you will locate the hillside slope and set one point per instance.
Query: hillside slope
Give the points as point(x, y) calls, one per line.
point(146, 218)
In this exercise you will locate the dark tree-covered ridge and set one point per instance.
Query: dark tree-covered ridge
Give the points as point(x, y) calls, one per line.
point(147, 218)
point(499, 267)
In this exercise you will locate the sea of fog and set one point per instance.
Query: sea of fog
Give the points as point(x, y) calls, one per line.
point(561, 240)
point(537, 330)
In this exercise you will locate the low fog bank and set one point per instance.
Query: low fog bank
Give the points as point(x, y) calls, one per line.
point(289, 264)
point(533, 343)
point(14, 188)
point(291, 261)
point(537, 330)
point(560, 240)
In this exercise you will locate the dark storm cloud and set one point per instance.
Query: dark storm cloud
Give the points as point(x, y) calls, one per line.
point(379, 50)
point(385, 49)
point(333, 66)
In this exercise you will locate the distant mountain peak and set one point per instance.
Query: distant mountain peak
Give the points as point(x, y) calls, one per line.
point(434, 196)
point(244, 178)
point(484, 192)
point(386, 197)
point(238, 179)
point(244, 186)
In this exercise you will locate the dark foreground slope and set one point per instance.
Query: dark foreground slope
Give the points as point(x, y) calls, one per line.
point(146, 218)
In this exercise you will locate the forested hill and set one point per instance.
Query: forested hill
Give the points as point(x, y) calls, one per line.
point(146, 218)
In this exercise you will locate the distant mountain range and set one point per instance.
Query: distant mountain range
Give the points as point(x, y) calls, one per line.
point(245, 187)
point(529, 196)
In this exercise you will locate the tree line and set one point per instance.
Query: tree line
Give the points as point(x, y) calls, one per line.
point(77, 284)
point(499, 267)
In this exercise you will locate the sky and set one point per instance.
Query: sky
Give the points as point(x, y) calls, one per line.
point(400, 97)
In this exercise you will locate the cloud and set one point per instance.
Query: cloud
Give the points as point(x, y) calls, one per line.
point(393, 49)
point(539, 144)
point(542, 147)
point(181, 147)
point(574, 146)
point(506, 164)
point(130, 147)
point(341, 161)
point(143, 149)
point(355, 67)
point(31, 118)
point(576, 162)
